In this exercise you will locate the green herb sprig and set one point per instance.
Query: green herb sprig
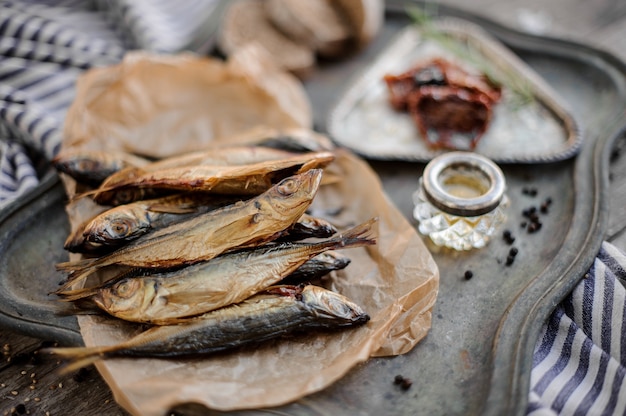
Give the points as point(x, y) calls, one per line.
point(523, 92)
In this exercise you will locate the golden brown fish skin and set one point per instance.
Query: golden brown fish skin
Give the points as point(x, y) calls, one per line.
point(248, 179)
point(203, 237)
point(91, 167)
point(226, 156)
point(122, 224)
point(230, 278)
point(221, 156)
point(277, 312)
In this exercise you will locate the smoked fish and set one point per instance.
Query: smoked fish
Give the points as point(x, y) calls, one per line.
point(278, 311)
point(243, 224)
point(163, 298)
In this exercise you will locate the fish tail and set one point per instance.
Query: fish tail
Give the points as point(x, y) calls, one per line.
point(361, 235)
point(77, 294)
point(76, 265)
point(77, 357)
point(79, 271)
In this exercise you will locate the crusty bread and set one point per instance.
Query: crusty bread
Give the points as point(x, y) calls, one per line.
point(317, 23)
point(245, 21)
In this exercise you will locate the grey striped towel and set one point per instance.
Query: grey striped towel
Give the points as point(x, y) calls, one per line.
point(578, 365)
point(46, 45)
point(579, 359)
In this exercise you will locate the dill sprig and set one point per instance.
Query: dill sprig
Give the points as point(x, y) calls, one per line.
point(521, 88)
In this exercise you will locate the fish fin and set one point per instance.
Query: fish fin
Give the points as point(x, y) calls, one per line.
point(76, 265)
point(79, 271)
point(76, 357)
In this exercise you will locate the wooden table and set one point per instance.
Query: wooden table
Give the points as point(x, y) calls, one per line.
point(29, 386)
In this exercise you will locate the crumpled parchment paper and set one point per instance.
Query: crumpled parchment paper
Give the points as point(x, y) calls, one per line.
point(161, 106)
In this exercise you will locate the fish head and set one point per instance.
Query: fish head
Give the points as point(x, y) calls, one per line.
point(294, 194)
point(82, 165)
point(125, 297)
point(331, 306)
point(116, 227)
point(333, 260)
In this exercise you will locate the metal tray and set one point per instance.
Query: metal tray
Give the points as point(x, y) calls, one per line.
point(477, 357)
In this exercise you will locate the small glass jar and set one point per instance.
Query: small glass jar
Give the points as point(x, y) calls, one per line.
point(460, 202)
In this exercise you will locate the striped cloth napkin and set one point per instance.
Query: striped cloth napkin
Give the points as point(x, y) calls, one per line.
point(45, 45)
point(578, 363)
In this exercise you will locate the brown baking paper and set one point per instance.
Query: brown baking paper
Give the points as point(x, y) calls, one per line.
point(396, 281)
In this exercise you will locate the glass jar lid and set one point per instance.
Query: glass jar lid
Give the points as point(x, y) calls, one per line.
point(463, 183)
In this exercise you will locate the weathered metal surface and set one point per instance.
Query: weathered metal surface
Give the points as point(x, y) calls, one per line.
point(476, 358)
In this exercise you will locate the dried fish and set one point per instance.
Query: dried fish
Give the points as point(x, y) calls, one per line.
point(162, 298)
point(251, 179)
point(222, 156)
point(91, 167)
point(244, 224)
point(122, 224)
point(279, 311)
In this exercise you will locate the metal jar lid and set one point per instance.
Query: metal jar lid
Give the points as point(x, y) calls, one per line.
point(463, 183)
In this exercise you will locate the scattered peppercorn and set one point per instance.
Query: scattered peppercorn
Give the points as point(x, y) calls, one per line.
point(513, 251)
point(403, 382)
point(509, 260)
point(534, 227)
point(529, 191)
point(468, 274)
point(406, 384)
point(20, 409)
point(508, 237)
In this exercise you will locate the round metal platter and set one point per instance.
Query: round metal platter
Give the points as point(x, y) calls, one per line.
point(476, 358)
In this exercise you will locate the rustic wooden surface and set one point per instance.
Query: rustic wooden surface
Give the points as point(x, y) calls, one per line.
point(29, 385)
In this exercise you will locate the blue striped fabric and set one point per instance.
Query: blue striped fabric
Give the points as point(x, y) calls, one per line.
point(580, 357)
point(578, 365)
point(46, 45)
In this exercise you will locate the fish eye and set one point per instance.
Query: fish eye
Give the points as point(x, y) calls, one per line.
point(119, 228)
point(124, 288)
point(288, 186)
